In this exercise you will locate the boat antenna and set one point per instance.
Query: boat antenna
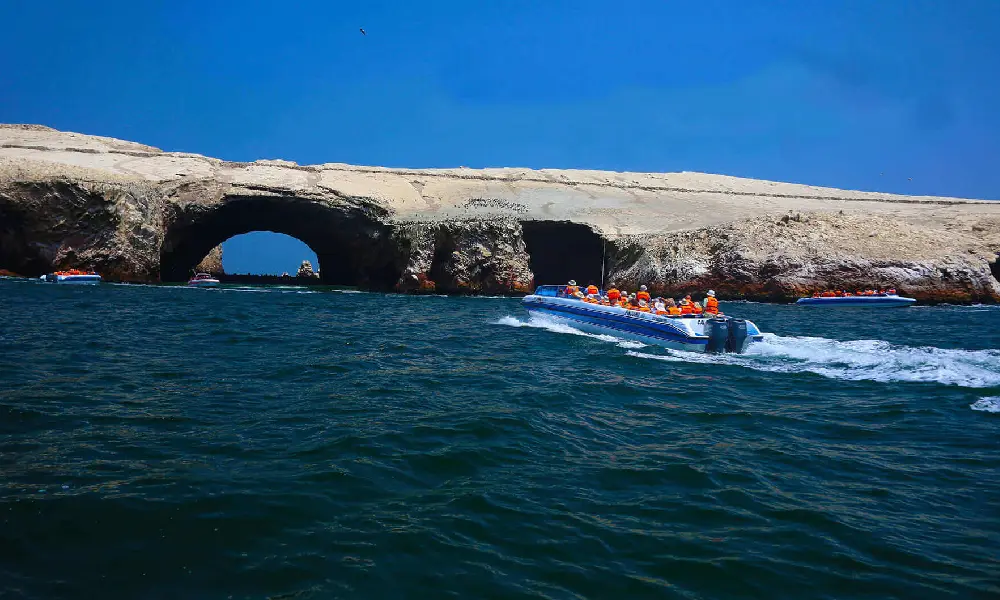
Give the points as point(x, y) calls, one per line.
point(604, 253)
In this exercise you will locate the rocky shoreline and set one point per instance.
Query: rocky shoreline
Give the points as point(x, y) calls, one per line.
point(139, 214)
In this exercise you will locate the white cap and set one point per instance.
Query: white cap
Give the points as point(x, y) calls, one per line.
point(711, 293)
point(572, 282)
point(642, 287)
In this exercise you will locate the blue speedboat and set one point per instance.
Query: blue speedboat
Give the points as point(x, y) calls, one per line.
point(689, 333)
point(876, 301)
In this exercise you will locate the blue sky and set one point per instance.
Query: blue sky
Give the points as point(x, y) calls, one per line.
point(854, 94)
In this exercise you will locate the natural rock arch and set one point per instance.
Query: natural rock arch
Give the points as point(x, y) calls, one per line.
point(353, 245)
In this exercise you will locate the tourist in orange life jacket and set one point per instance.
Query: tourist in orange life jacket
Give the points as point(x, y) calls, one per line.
point(686, 306)
point(613, 294)
point(642, 294)
point(659, 307)
point(592, 289)
point(672, 308)
point(696, 309)
point(643, 306)
point(623, 300)
point(891, 291)
point(711, 304)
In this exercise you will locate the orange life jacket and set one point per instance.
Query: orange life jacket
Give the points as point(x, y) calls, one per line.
point(711, 305)
point(686, 309)
point(572, 290)
point(622, 302)
point(642, 296)
point(673, 310)
point(614, 294)
point(592, 289)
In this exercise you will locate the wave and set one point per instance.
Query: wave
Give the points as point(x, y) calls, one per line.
point(858, 360)
point(861, 360)
point(989, 404)
point(543, 323)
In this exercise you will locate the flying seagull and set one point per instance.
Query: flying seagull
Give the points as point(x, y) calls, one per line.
point(362, 30)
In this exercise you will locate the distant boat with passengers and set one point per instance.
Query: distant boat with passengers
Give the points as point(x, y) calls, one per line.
point(651, 322)
point(863, 299)
point(72, 276)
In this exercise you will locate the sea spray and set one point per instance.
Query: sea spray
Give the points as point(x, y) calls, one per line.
point(871, 360)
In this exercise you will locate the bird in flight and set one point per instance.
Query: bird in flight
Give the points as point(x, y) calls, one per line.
point(362, 30)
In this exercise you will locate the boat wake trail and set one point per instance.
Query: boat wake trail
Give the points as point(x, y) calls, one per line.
point(543, 323)
point(858, 360)
point(861, 360)
point(989, 404)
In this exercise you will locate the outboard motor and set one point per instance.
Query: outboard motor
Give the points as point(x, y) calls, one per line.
point(737, 335)
point(718, 334)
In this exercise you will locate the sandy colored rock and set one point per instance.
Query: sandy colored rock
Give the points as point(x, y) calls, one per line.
point(137, 212)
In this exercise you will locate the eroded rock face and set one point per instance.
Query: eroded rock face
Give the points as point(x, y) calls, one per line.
point(464, 257)
point(113, 227)
point(784, 258)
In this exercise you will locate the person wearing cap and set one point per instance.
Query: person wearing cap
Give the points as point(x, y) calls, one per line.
point(672, 309)
point(686, 305)
point(711, 304)
point(642, 294)
point(573, 290)
point(623, 300)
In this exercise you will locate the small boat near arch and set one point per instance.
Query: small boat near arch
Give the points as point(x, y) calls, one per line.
point(203, 280)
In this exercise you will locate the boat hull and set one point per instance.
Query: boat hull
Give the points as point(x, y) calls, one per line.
point(858, 301)
point(204, 283)
point(72, 279)
point(686, 334)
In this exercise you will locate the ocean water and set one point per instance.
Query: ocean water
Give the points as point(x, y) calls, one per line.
point(164, 442)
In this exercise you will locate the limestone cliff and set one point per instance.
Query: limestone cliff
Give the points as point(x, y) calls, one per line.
point(137, 213)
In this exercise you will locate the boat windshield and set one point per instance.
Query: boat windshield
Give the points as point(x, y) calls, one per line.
point(549, 290)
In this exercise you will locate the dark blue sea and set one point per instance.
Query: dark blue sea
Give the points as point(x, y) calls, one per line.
point(164, 442)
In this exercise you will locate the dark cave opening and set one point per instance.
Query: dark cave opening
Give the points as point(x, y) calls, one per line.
point(17, 255)
point(352, 248)
point(560, 250)
point(995, 267)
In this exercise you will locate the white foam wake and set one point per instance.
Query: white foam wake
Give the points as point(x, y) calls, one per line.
point(989, 404)
point(541, 322)
point(858, 360)
point(864, 360)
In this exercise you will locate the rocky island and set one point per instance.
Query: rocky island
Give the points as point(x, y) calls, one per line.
point(136, 213)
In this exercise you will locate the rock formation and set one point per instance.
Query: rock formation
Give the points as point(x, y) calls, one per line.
point(305, 270)
point(212, 263)
point(137, 213)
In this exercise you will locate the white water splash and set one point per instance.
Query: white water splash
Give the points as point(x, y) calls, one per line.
point(864, 360)
point(989, 404)
point(858, 360)
point(543, 323)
